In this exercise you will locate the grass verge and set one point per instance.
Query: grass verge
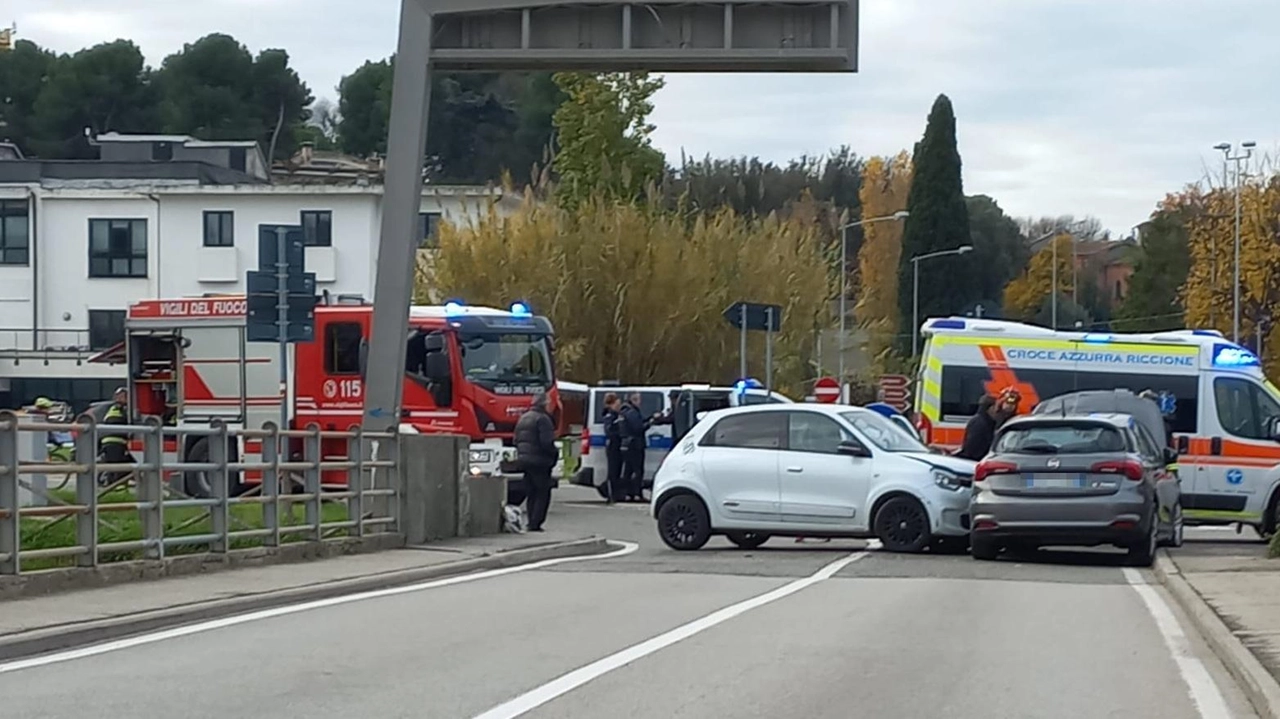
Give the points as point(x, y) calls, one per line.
point(44, 533)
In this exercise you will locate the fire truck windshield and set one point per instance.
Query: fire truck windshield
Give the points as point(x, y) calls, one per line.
point(515, 363)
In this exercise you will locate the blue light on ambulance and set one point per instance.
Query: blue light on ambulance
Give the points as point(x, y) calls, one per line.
point(1097, 337)
point(1207, 333)
point(1227, 355)
point(453, 308)
point(947, 324)
point(520, 309)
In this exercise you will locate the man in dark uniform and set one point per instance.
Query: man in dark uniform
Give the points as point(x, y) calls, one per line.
point(980, 432)
point(635, 428)
point(535, 438)
point(612, 420)
point(113, 445)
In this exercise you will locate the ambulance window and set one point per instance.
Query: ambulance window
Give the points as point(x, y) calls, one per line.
point(342, 348)
point(1244, 408)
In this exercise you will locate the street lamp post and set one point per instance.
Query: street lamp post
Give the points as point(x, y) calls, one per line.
point(844, 279)
point(1244, 156)
point(915, 291)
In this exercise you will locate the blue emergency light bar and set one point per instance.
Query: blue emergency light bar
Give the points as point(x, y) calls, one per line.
point(520, 309)
point(1230, 355)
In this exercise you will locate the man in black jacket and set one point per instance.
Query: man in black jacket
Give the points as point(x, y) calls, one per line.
point(980, 432)
point(535, 438)
point(635, 428)
point(612, 419)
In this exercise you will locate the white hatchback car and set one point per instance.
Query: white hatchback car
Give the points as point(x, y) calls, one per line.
point(809, 470)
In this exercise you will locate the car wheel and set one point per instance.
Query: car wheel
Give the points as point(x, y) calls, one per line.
point(1271, 520)
point(1175, 528)
point(683, 523)
point(1143, 554)
point(747, 540)
point(983, 548)
point(902, 525)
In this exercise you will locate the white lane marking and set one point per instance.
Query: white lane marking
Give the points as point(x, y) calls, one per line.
point(175, 633)
point(1202, 689)
point(538, 696)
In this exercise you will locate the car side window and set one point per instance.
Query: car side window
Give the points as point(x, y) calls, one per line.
point(1147, 446)
point(761, 430)
point(1243, 407)
point(812, 432)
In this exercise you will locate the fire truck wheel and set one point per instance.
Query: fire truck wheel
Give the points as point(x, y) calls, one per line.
point(196, 484)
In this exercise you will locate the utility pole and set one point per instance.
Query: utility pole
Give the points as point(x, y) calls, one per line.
point(844, 284)
point(1247, 152)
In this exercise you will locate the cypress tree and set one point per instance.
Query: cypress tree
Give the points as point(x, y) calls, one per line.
point(939, 220)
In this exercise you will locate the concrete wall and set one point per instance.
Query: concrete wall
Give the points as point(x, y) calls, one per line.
point(439, 498)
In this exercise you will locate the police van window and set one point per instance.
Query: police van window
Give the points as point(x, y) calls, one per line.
point(1244, 409)
point(963, 386)
point(651, 403)
point(342, 348)
point(763, 430)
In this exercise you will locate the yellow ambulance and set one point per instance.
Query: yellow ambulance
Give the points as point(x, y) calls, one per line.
point(1225, 418)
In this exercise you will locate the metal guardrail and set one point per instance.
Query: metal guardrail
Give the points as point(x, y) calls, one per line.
point(123, 511)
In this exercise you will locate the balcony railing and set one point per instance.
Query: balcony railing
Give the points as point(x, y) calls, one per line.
point(24, 343)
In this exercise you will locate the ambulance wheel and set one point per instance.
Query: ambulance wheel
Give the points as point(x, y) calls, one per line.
point(198, 483)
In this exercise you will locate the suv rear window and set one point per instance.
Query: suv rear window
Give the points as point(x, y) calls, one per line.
point(1060, 438)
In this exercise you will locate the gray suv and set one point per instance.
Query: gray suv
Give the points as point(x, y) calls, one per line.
point(1076, 479)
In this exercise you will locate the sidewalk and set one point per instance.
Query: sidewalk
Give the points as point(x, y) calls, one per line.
point(41, 624)
point(1235, 603)
point(1245, 593)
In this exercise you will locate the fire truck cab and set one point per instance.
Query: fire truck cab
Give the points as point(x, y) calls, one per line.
point(468, 370)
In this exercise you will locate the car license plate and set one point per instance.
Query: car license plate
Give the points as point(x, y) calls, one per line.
point(1042, 481)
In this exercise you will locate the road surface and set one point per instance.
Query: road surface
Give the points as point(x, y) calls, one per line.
point(788, 630)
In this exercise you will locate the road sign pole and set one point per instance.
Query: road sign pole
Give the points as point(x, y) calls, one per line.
point(742, 342)
point(768, 351)
point(282, 319)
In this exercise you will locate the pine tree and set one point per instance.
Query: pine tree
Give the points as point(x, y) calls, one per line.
point(939, 220)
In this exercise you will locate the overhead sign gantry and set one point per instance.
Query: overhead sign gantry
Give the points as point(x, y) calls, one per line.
point(598, 36)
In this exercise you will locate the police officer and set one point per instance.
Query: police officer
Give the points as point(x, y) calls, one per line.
point(113, 444)
point(612, 420)
point(635, 428)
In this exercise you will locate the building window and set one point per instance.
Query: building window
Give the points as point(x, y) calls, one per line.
point(428, 227)
point(1119, 290)
point(317, 228)
point(117, 248)
point(219, 229)
point(106, 328)
point(239, 158)
point(15, 233)
point(342, 348)
point(161, 151)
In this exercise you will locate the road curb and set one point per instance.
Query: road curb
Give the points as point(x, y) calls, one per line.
point(1262, 689)
point(51, 639)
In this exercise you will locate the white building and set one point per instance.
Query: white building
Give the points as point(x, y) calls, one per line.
point(80, 241)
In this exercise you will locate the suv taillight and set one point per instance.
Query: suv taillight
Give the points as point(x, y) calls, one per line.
point(1128, 467)
point(586, 441)
point(986, 468)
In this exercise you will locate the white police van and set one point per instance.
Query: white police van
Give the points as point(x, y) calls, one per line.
point(684, 404)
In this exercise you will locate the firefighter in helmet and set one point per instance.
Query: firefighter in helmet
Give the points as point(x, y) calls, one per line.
point(113, 444)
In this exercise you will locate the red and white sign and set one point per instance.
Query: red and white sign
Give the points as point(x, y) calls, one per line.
point(895, 390)
point(180, 309)
point(826, 390)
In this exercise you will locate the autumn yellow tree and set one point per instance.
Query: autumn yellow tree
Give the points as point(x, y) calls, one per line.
point(636, 291)
point(886, 182)
point(1026, 294)
point(1208, 294)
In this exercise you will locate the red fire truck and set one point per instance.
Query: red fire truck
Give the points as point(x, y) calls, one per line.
point(468, 370)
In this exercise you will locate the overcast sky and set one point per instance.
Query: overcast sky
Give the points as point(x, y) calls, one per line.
point(1064, 106)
